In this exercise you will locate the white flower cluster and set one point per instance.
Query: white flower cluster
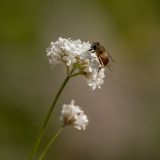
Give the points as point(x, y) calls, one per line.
point(74, 116)
point(75, 54)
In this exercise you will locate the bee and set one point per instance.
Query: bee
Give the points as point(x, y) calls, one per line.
point(103, 56)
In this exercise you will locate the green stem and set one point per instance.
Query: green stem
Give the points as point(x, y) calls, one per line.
point(76, 74)
point(50, 143)
point(47, 119)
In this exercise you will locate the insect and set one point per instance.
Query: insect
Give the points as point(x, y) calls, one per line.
point(103, 56)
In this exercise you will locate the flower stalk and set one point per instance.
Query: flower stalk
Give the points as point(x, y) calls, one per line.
point(50, 143)
point(42, 131)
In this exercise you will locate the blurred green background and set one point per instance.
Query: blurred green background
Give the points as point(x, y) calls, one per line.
point(124, 115)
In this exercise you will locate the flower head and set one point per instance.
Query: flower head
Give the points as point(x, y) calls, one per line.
point(74, 116)
point(78, 60)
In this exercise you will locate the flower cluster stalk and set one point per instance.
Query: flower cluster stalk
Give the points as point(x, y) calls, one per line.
point(42, 131)
point(50, 143)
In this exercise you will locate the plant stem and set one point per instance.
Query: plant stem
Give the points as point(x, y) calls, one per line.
point(50, 143)
point(76, 74)
point(47, 119)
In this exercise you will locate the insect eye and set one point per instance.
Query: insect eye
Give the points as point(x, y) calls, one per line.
point(94, 46)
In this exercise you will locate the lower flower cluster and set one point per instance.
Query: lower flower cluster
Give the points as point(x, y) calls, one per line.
point(73, 115)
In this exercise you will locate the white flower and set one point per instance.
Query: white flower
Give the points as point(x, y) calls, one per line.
point(77, 58)
point(73, 115)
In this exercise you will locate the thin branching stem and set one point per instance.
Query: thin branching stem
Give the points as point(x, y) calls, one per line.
point(50, 143)
point(42, 131)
